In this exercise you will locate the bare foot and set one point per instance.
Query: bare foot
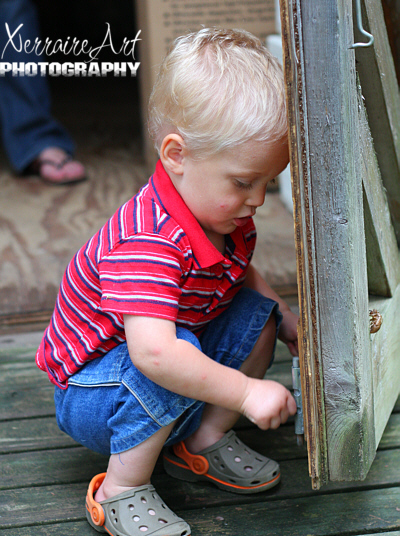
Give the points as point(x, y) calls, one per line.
point(56, 166)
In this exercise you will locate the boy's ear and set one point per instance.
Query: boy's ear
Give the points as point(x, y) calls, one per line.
point(172, 153)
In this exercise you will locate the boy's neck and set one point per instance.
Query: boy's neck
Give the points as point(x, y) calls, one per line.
point(217, 240)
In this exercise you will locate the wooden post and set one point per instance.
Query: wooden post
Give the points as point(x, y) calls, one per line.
point(330, 238)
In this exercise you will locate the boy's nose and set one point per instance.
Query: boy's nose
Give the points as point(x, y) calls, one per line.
point(256, 197)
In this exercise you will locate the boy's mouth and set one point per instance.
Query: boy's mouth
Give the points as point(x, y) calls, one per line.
point(239, 222)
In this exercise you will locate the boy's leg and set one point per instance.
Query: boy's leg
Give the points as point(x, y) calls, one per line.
point(109, 406)
point(216, 421)
point(133, 467)
point(243, 337)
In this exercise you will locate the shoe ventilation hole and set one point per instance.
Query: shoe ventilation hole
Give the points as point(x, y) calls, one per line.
point(232, 480)
point(222, 466)
point(143, 528)
point(163, 505)
point(151, 512)
point(255, 482)
point(162, 521)
point(274, 473)
point(246, 451)
point(113, 512)
point(136, 518)
point(258, 459)
point(248, 468)
point(184, 533)
point(216, 458)
point(115, 520)
point(131, 507)
point(143, 499)
point(237, 441)
point(230, 448)
point(238, 459)
point(154, 496)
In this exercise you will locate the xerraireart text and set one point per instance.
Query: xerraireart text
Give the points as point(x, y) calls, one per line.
point(73, 47)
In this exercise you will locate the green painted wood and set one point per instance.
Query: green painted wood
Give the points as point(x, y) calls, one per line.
point(383, 259)
point(391, 435)
point(382, 99)
point(337, 371)
point(80, 528)
point(385, 349)
point(78, 466)
point(19, 346)
point(320, 516)
point(21, 400)
point(317, 514)
point(24, 435)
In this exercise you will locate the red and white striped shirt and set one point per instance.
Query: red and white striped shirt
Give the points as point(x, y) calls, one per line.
point(151, 258)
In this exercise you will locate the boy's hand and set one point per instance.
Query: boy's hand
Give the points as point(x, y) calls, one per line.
point(288, 331)
point(267, 404)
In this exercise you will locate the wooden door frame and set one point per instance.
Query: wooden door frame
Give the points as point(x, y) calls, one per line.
point(327, 151)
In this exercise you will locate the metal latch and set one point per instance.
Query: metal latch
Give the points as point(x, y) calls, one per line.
point(298, 418)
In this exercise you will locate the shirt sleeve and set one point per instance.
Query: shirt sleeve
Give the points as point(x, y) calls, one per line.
point(141, 276)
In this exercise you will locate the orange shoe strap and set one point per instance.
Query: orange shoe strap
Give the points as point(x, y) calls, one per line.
point(197, 463)
point(95, 509)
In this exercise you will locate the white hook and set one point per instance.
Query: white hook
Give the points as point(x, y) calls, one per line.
point(361, 29)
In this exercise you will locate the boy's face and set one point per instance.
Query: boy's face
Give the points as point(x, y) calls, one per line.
point(224, 191)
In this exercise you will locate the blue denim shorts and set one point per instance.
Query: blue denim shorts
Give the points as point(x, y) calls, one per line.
point(110, 406)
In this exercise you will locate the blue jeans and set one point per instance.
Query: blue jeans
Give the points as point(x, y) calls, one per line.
point(110, 406)
point(26, 121)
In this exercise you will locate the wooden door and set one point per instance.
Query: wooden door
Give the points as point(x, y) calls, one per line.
point(344, 117)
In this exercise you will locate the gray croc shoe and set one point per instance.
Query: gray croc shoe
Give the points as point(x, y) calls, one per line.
point(229, 464)
point(133, 513)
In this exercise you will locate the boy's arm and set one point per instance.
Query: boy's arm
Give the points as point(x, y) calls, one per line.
point(288, 329)
point(179, 366)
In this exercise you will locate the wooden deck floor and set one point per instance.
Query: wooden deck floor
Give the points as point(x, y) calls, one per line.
point(44, 474)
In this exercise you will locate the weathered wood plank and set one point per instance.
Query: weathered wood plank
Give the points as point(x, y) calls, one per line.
point(330, 231)
point(391, 435)
point(82, 529)
point(24, 435)
point(382, 99)
point(385, 348)
point(25, 391)
point(79, 528)
point(376, 510)
point(73, 466)
point(383, 258)
point(310, 359)
point(323, 515)
point(19, 347)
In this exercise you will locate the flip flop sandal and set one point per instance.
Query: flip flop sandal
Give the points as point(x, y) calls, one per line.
point(229, 464)
point(36, 167)
point(132, 513)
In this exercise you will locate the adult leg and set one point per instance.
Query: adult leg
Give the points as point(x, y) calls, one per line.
point(28, 127)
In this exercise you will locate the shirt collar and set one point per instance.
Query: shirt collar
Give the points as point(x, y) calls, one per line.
point(204, 252)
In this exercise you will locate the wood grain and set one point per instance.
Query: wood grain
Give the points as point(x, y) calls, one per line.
point(380, 89)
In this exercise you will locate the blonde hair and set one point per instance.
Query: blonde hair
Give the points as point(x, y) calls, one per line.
point(217, 89)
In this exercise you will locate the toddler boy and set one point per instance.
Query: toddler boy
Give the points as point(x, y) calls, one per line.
point(163, 330)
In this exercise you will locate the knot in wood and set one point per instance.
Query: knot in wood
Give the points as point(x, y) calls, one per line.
point(375, 321)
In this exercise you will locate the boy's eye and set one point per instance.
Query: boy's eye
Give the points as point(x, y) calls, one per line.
point(243, 185)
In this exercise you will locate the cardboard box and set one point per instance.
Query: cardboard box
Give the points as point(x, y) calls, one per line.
point(161, 21)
